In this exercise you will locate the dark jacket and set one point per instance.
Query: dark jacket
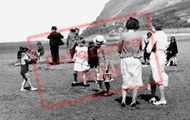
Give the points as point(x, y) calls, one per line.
point(172, 49)
point(55, 38)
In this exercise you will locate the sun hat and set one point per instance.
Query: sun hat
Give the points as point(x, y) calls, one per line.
point(99, 39)
point(132, 23)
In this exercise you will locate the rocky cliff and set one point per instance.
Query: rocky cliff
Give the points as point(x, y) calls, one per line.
point(174, 14)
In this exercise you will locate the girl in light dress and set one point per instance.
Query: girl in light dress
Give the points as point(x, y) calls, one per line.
point(81, 62)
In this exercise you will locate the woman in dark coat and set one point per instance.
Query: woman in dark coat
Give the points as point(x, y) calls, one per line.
point(172, 51)
point(55, 41)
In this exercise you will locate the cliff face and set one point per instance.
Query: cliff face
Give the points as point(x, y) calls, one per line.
point(174, 13)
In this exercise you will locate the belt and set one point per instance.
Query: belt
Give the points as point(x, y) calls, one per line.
point(131, 57)
point(160, 50)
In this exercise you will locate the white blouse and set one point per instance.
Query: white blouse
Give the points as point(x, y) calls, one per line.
point(160, 38)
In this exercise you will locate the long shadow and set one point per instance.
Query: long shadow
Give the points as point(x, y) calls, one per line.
point(128, 100)
point(146, 97)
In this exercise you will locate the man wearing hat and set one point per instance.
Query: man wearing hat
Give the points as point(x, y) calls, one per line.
point(157, 47)
point(55, 40)
point(72, 42)
point(129, 48)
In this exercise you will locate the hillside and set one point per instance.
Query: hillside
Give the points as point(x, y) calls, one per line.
point(174, 14)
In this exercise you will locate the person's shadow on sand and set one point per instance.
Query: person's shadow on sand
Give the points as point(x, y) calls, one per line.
point(145, 97)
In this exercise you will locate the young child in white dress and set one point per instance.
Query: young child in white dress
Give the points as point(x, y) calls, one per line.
point(81, 62)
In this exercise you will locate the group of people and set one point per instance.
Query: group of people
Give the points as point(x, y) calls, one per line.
point(25, 57)
point(94, 56)
point(36, 55)
point(171, 51)
point(130, 46)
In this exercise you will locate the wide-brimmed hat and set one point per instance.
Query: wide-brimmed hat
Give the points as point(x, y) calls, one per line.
point(99, 39)
point(132, 23)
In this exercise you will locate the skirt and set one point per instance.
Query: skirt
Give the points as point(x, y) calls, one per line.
point(131, 71)
point(157, 64)
point(81, 65)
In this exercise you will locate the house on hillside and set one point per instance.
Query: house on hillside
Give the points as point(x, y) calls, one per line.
point(118, 26)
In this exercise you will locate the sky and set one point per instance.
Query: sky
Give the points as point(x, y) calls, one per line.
point(23, 18)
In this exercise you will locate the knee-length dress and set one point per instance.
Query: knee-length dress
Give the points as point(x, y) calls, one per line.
point(81, 59)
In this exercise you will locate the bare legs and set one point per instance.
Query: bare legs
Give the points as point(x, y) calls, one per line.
point(124, 95)
point(75, 75)
point(162, 95)
point(27, 78)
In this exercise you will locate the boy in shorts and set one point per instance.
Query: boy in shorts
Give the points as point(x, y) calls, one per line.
point(25, 70)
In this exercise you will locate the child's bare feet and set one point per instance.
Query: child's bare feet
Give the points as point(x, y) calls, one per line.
point(23, 90)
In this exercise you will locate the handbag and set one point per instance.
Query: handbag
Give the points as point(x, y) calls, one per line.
point(60, 42)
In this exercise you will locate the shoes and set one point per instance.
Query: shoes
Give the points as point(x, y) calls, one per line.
point(74, 84)
point(160, 102)
point(34, 89)
point(133, 104)
point(95, 80)
point(108, 93)
point(86, 85)
point(152, 100)
point(54, 63)
point(144, 65)
point(23, 90)
point(123, 105)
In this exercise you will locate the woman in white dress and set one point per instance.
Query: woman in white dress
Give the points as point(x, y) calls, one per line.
point(81, 61)
point(157, 48)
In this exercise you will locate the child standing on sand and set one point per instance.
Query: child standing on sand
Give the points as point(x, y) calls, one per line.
point(25, 70)
point(81, 61)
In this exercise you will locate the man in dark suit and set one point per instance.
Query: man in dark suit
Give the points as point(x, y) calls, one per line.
point(55, 41)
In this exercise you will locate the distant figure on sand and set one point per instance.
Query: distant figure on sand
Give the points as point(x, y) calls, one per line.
point(17, 63)
point(172, 51)
point(40, 51)
point(146, 55)
point(72, 42)
point(55, 41)
point(25, 70)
